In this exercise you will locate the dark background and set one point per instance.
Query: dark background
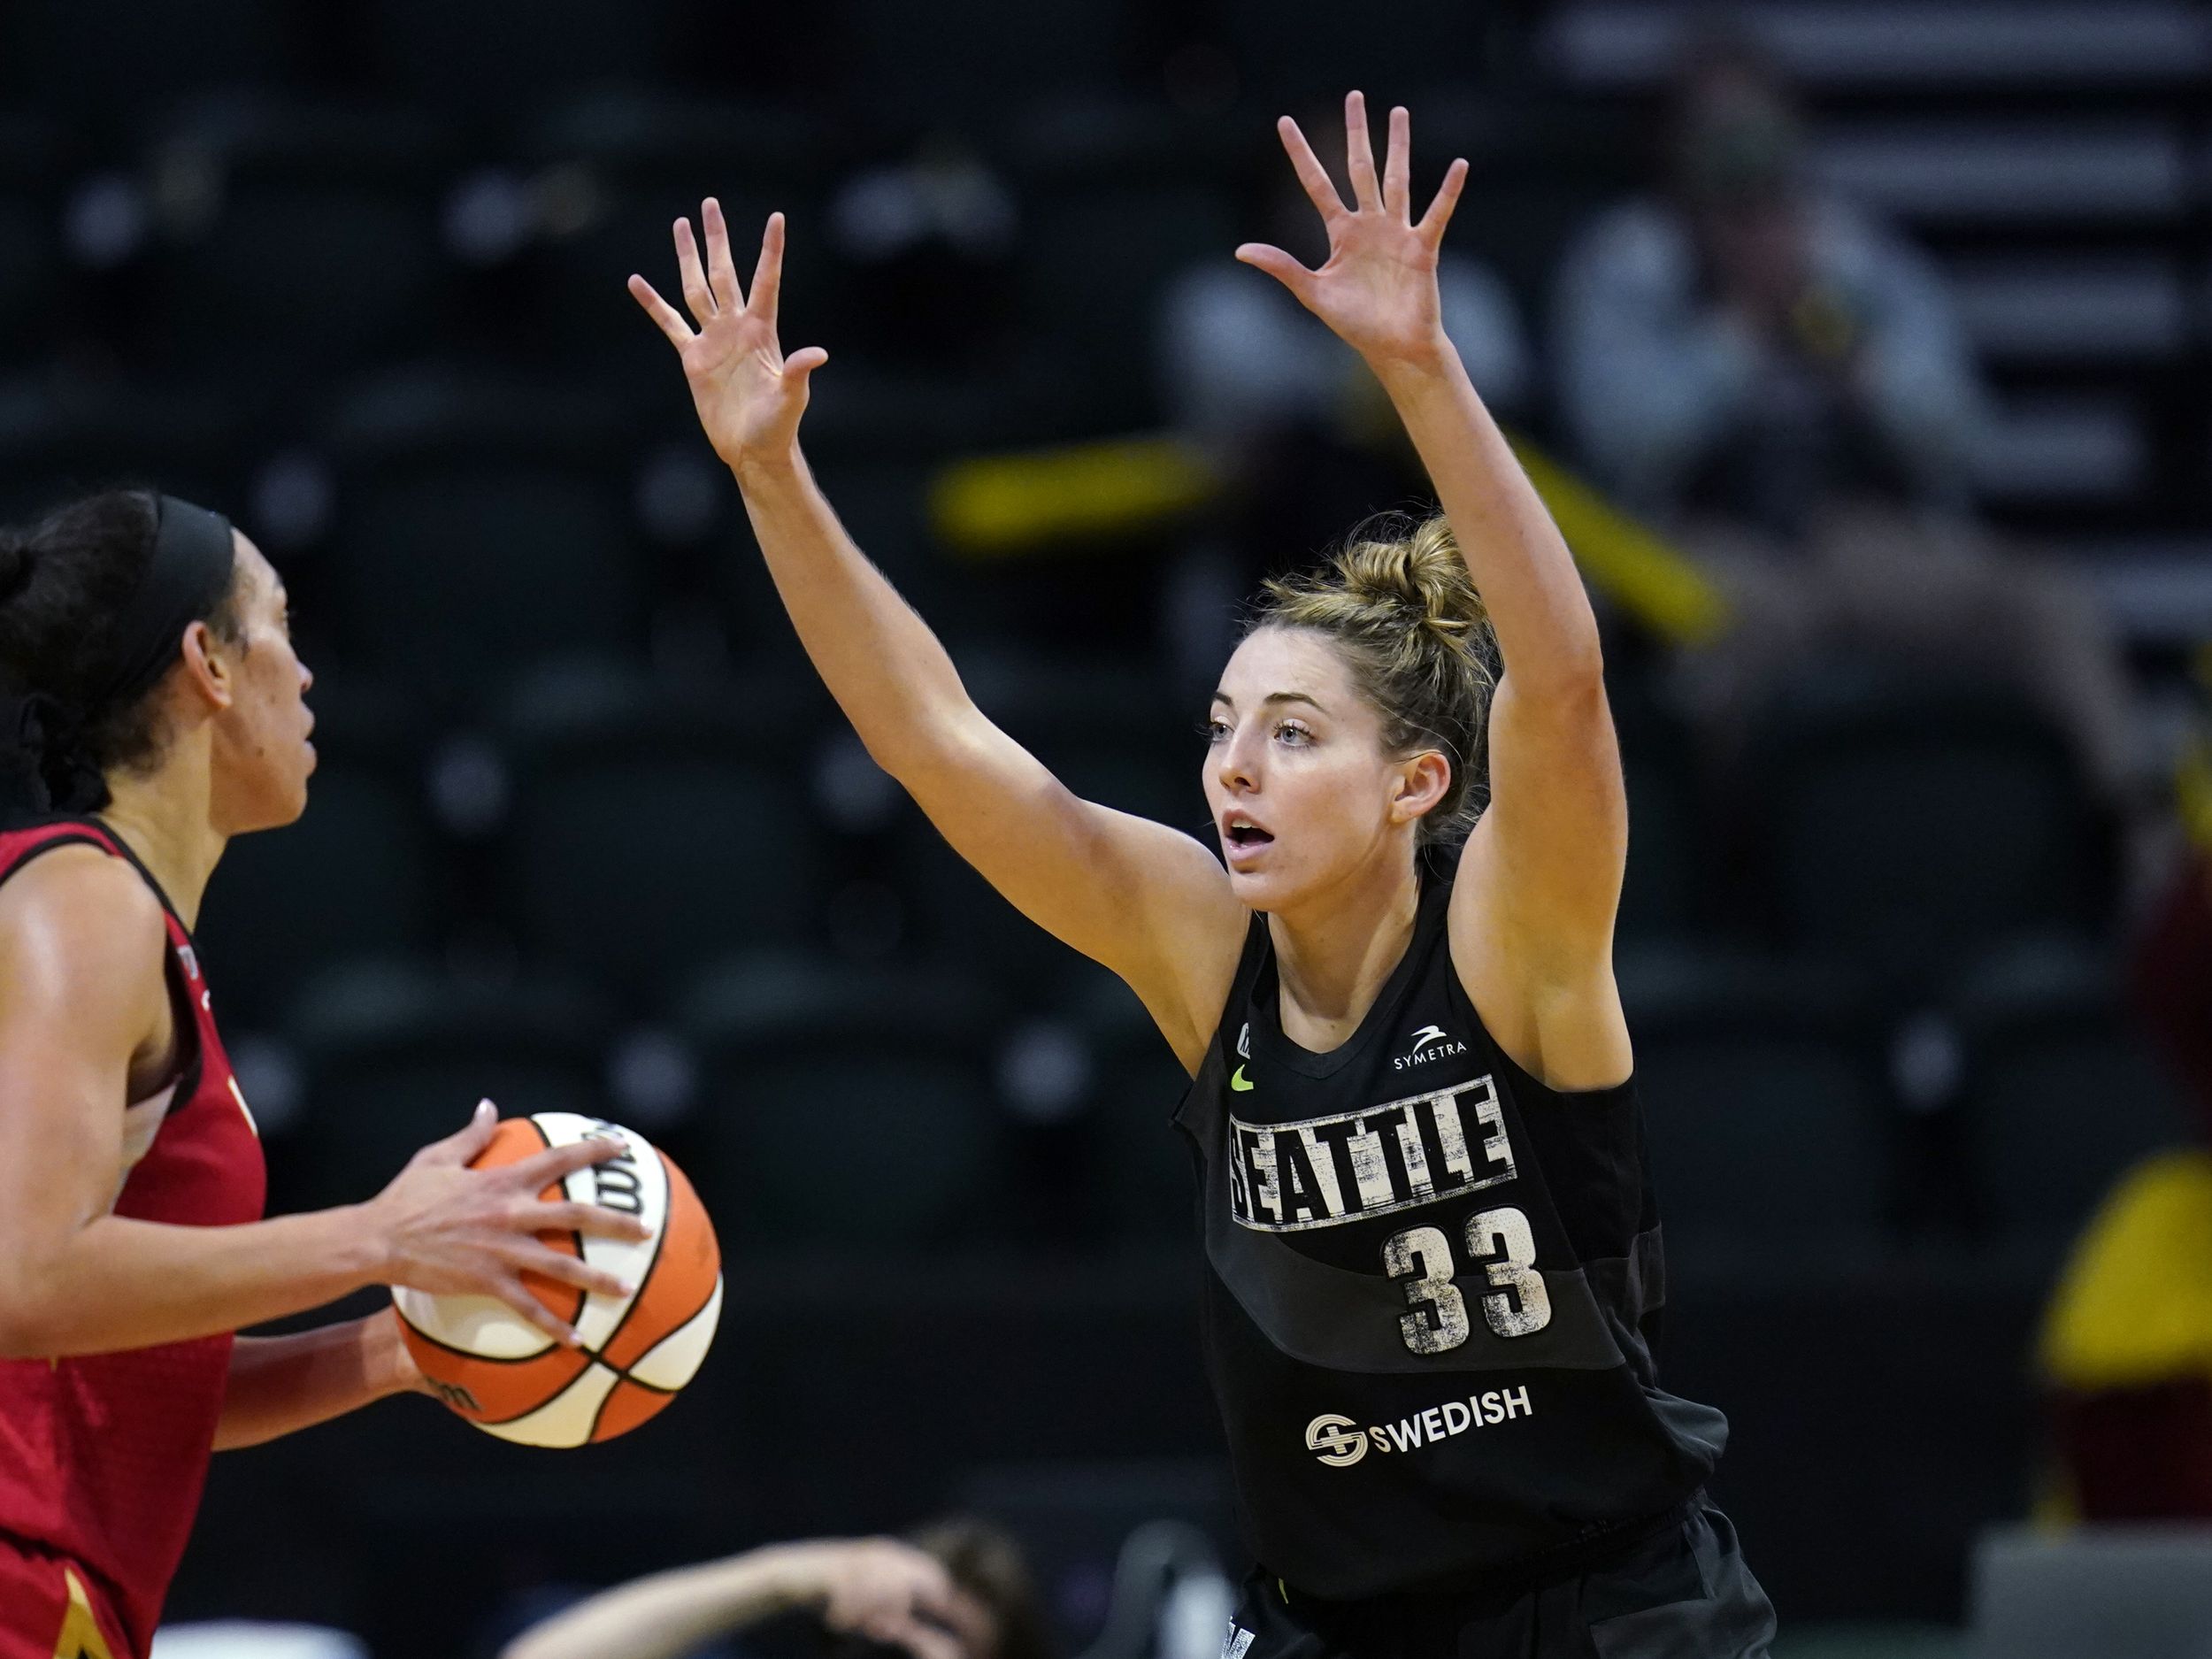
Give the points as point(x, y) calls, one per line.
point(586, 834)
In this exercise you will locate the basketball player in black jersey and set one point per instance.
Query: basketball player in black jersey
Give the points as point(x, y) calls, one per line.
point(1434, 1259)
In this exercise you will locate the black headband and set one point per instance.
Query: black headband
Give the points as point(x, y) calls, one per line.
point(42, 769)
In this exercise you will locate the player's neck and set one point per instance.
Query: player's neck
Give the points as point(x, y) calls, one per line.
point(165, 818)
point(1334, 954)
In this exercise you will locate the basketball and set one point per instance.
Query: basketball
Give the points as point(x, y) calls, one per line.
point(511, 1379)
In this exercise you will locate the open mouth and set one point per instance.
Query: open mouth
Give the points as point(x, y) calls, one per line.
point(1243, 834)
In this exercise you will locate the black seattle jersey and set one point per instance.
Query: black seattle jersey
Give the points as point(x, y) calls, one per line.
point(1432, 1287)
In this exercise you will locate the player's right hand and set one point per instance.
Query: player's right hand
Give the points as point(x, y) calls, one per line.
point(749, 394)
point(445, 1228)
point(887, 1592)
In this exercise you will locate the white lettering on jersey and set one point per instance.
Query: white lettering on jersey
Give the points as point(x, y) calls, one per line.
point(1323, 1171)
point(1335, 1442)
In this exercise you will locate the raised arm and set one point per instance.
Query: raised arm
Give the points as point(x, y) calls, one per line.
point(1532, 919)
point(1148, 902)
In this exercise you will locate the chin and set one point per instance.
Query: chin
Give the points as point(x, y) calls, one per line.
point(1263, 889)
point(278, 810)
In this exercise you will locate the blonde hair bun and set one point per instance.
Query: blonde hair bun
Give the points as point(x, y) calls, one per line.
point(1418, 569)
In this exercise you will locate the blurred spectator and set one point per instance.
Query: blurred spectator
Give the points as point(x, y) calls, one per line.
point(1783, 381)
point(1747, 343)
point(959, 1590)
point(1937, 595)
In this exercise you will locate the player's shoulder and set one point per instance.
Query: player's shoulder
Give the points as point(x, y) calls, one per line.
point(81, 899)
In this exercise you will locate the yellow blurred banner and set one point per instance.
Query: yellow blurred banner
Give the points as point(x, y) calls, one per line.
point(996, 507)
point(1000, 506)
point(1631, 565)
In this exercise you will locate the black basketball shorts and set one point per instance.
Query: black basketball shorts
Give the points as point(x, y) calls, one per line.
point(1682, 1593)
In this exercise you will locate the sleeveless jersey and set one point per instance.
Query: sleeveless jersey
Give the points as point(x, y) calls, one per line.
point(1432, 1287)
point(103, 1456)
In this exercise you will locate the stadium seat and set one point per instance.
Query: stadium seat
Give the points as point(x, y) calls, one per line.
point(653, 829)
point(880, 503)
point(110, 64)
point(610, 173)
point(1299, 51)
point(489, 60)
point(1110, 731)
point(905, 66)
point(1140, 1163)
point(1665, 894)
point(394, 1055)
point(28, 262)
point(1913, 828)
point(2061, 1096)
point(295, 242)
point(1764, 1106)
point(841, 1111)
point(359, 875)
point(1112, 737)
point(53, 448)
point(479, 525)
point(1096, 253)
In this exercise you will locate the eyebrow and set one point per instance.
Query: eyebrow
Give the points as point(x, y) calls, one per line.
point(1276, 696)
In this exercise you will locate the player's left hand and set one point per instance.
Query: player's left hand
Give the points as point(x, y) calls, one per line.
point(1378, 288)
point(749, 394)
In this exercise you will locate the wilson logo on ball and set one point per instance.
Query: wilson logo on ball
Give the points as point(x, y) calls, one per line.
point(510, 1378)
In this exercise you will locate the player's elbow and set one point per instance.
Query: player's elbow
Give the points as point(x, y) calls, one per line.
point(933, 750)
point(32, 1301)
point(25, 1329)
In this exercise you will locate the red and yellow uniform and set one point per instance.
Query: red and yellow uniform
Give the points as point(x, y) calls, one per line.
point(103, 1456)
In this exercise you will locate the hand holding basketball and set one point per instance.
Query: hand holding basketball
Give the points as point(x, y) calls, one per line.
point(448, 1228)
point(1378, 288)
point(749, 394)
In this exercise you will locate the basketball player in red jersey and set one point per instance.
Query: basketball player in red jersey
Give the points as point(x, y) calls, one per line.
point(151, 707)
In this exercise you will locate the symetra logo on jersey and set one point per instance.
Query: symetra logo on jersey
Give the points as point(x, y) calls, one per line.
point(1430, 1043)
point(1323, 1171)
point(1340, 1442)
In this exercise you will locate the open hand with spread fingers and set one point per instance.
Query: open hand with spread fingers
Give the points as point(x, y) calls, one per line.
point(445, 1227)
point(749, 394)
point(1378, 288)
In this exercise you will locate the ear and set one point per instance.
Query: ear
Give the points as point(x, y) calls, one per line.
point(211, 668)
point(1423, 782)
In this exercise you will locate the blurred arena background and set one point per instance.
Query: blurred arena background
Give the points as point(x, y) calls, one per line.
point(1910, 895)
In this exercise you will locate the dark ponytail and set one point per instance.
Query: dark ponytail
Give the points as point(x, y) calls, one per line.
point(93, 600)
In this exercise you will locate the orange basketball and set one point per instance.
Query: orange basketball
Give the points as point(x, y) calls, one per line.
point(509, 1378)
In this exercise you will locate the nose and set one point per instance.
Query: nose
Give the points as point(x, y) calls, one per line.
point(307, 680)
point(1236, 765)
